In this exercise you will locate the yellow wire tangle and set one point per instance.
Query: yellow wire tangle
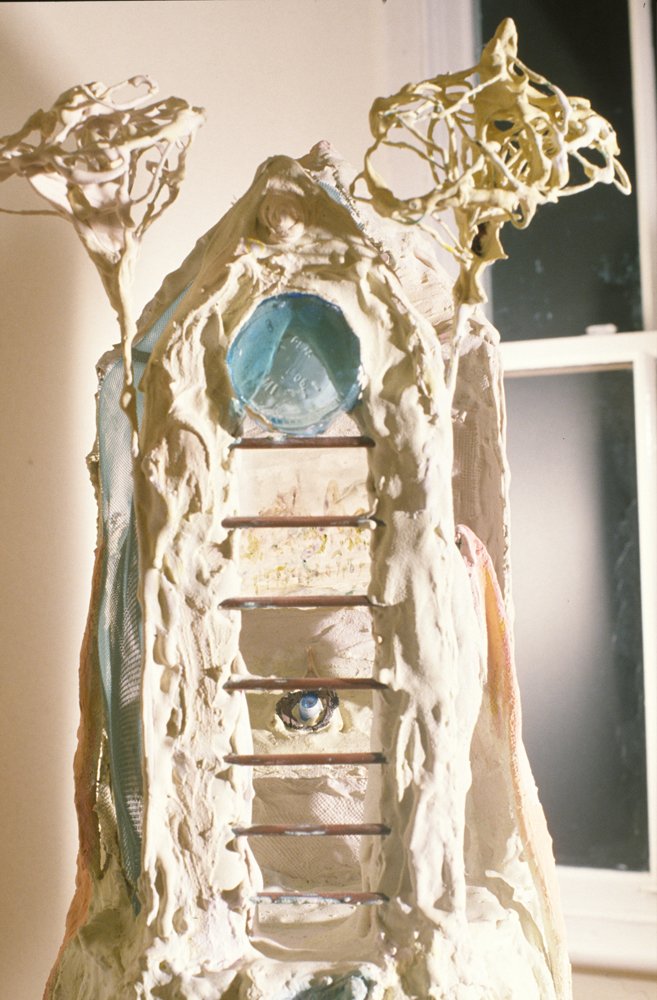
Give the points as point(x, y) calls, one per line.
point(110, 160)
point(496, 141)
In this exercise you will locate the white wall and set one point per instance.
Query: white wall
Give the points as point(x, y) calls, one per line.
point(275, 76)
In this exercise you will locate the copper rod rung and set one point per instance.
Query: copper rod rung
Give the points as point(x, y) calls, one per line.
point(313, 830)
point(327, 521)
point(300, 759)
point(304, 684)
point(346, 441)
point(350, 898)
point(298, 601)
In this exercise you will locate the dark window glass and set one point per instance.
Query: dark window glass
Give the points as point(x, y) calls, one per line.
point(578, 262)
point(574, 551)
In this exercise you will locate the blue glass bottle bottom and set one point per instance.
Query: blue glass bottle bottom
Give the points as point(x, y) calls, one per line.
point(295, 364)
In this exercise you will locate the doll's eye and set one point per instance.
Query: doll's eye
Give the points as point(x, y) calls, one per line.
point(308, 708)
point(309, 711)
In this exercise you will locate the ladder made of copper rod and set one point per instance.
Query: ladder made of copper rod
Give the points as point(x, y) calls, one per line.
point(241, 683)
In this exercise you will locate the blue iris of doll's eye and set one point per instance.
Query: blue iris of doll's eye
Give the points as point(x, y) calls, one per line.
point(310, 706)
point(307, 711)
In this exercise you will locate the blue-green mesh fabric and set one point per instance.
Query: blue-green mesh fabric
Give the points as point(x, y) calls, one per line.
point(119, 625)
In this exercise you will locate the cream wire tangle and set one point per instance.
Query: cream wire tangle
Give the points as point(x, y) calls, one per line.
point(496, 141)
point(111, 163)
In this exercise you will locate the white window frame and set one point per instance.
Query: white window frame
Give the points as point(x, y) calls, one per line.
point(611, 916)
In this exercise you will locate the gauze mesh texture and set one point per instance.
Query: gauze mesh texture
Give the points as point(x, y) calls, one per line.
point(119, 625)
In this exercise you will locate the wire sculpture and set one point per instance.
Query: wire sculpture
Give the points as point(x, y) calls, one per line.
point(111, 163)
point(496, 141)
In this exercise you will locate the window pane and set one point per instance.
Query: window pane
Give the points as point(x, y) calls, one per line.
point(578, 262)
point(574, 538)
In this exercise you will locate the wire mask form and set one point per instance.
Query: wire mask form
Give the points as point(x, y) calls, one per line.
point(496, 141)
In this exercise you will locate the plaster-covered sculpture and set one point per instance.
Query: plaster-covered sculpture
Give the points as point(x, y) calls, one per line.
point(300, 771)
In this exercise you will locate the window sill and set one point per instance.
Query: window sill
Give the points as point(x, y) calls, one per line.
point(611, 919)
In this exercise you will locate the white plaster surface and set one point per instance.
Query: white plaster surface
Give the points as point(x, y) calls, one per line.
point(247, 61)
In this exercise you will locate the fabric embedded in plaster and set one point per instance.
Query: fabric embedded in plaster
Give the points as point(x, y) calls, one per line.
point(119, 629)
